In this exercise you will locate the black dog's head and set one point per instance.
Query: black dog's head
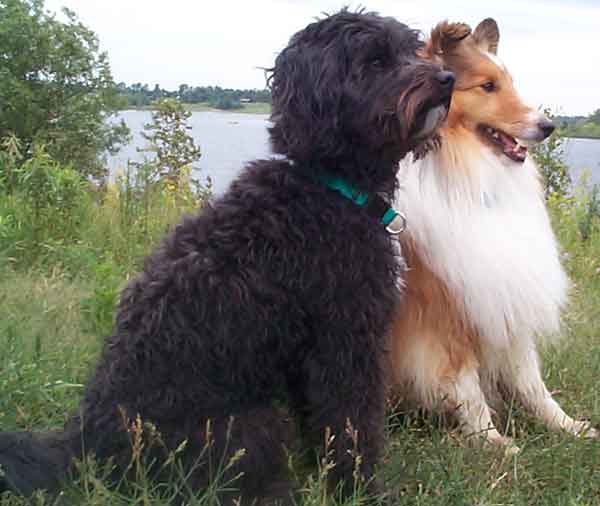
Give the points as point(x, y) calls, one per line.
point(349, 91)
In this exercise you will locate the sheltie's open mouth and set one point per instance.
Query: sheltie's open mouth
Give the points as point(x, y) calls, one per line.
point(510, 146)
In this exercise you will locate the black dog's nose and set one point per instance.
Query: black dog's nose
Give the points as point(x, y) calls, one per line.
point(547, 127)
point(445, 78)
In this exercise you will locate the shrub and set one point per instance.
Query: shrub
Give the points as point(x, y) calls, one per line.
point(169, 144)
point(56, 86)
point(45, 209)
point(53, 193)
point(227, 103)
point(549, 157)
point(10, 157)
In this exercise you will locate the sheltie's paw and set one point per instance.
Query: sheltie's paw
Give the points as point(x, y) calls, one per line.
point(503, 442)
point(493, 440)
point(511, 449)
point(585, 430)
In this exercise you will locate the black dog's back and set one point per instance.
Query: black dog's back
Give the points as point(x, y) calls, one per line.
point(255, 276)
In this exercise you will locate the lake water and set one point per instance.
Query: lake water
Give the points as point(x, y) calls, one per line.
point(583, 154)
point(228, 140)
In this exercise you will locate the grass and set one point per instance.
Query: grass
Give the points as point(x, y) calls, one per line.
point(47, 350)
point(56, 304)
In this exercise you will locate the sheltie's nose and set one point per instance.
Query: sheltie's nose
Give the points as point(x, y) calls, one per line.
point(547, 127)
point(446, 79)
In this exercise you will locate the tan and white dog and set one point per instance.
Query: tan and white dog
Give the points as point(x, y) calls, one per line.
point(485, 285)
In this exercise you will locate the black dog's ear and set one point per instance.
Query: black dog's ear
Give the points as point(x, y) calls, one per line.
point(306, 97)
point(487, 35)
point(444, 38)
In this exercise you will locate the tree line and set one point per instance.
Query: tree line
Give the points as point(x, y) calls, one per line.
point(580, 126)
point(142, 95)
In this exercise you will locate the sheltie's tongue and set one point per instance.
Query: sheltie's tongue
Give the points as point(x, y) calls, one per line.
point(512, 148)
point(509, 145)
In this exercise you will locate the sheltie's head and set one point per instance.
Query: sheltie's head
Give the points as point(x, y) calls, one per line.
point(485, 100)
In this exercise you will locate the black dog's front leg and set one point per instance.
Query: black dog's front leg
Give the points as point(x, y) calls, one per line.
point(345, 394)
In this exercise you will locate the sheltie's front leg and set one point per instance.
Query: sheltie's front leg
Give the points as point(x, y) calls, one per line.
point(521, 374)
point(465, 397)
point(442, 373)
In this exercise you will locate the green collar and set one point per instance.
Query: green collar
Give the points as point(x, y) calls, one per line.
point(393, 221)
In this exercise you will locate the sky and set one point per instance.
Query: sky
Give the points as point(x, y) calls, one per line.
point(551, 47)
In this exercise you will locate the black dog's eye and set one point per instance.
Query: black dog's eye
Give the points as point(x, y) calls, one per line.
point(376, 61)
point(489, 86)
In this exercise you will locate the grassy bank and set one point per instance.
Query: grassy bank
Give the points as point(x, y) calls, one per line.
point(60, 276)
point(582, 136)
point(585, 130)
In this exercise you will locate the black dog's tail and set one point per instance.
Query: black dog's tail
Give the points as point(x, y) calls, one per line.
point(31, 461)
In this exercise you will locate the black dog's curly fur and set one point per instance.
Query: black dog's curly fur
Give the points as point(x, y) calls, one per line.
point(280, 291)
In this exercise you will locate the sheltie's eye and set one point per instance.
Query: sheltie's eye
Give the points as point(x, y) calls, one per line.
point(489, 86)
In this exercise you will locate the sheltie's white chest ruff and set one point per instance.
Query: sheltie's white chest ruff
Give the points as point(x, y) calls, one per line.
point(480, 223)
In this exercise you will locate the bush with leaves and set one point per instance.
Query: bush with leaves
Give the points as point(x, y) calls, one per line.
point(227, 103)
point(169, 158)
point(45, 210)
point(169, 144)
point(587, 221)
point(549, 157)
point(56, 87)
point(52, 190)
point(10, 158)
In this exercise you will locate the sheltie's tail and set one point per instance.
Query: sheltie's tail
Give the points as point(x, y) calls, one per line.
point(31, 461)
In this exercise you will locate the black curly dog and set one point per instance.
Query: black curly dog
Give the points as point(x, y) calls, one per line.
point(278, 294)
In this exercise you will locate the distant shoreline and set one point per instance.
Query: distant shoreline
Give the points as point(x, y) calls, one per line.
point(265, 108)
point(592, 137)
point(250, 108)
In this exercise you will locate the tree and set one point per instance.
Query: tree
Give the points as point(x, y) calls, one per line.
point(56, 87)
point(227, 103)
point(173, 149)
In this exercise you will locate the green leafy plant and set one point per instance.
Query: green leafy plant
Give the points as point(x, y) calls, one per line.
point(53, 193)
point(10, 158)
point(98, 308)
point(586, 206)
point(591, 214)
point(56, 87)
point(549, 157)
point(169, 143)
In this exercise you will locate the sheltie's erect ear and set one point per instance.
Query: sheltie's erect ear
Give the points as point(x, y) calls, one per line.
point(444, 39)
point(487, 35)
